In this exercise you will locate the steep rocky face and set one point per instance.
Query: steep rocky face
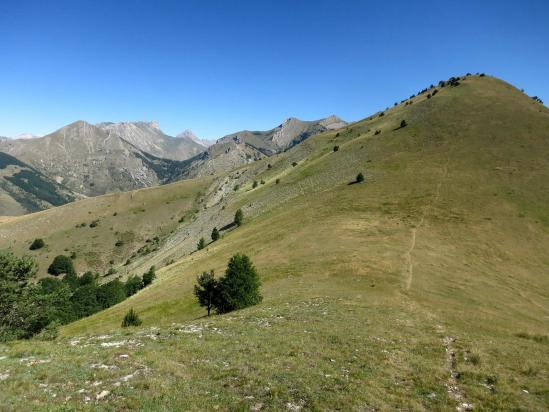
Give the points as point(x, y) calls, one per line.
point(220, 157)
point(89, 160)
point(148, 137)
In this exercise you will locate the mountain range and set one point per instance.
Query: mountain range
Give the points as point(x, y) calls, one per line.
point(82, 159)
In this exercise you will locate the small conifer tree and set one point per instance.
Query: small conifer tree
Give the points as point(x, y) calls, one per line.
point(360, 178)
point(239, 288)
point(215, 234)
point(239, 217)
point(201, 244)
point(149, 276)
point(206, 290)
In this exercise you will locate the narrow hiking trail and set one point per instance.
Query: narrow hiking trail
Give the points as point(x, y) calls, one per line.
point(408, 258)
point(454, 390)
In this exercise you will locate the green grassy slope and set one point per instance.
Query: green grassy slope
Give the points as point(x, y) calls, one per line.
point(130, 217)
point(423, 288)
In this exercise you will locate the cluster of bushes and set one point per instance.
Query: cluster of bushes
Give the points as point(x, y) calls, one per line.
point(239, 288)
point(151, 245)
point(537, 99)
point(452, 81)
point(28, 308)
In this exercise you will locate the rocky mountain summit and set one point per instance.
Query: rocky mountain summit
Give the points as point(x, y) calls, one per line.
point(90, 160)
point(291, 132)
point(189, 134)
point(148, 137)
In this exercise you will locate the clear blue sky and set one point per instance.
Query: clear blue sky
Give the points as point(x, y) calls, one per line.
point(221, 66)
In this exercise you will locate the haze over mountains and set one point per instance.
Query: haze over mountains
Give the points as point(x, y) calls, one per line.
point(90, 160)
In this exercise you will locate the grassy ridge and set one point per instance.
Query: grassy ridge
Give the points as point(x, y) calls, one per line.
point(368, 288)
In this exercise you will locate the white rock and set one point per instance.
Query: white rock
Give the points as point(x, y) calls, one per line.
point(102, 395)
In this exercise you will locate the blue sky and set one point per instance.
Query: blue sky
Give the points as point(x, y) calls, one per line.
point(222, 66)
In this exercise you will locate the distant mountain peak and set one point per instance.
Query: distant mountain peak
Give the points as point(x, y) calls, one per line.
point(189, 134)
point(333, 122)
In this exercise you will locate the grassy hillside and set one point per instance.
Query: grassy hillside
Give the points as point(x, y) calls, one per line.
point(423, 288)
point(90, 229)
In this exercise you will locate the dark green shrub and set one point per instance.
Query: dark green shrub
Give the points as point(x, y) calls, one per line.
point(294, 164)
point(403, 124)
point(277, 181)
point(254, 185)
point(215, 234)
point(201, 244)
point(131, 319)
point(87, 278)
point(61, 264)
point(37, 244)
point(359, 178)
point(71, 280)
point(336, 148)
point(119, 243)
point(95, 223)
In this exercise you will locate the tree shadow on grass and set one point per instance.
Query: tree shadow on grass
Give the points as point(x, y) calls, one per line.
point(229, 226)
